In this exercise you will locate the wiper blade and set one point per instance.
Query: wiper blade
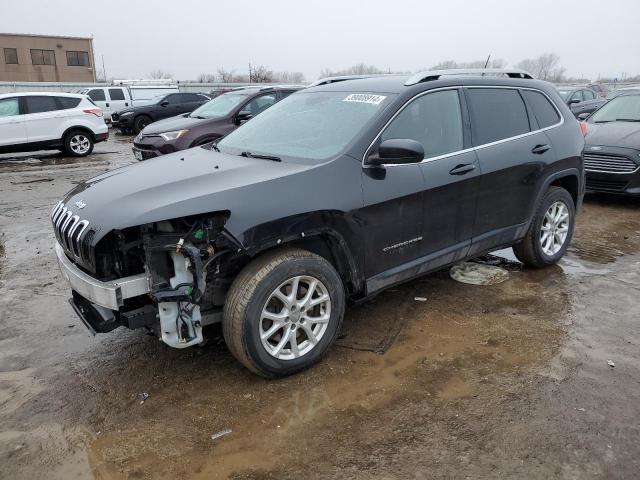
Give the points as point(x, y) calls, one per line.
point(215, 147)
point(603, 121)
point(627, 119)
point(264, 157)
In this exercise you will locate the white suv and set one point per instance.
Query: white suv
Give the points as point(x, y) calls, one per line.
point(50, 121)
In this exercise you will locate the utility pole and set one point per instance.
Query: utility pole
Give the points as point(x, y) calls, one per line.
point(250, 72)
point(104, 70)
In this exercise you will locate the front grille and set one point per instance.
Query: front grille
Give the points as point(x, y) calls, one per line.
point(71, 232)
point(606, 185)
point(609, 163)
point(114, 117)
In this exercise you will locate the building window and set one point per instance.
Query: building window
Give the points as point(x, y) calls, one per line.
point(10, 56)
point(78, 59)
point(43, 57)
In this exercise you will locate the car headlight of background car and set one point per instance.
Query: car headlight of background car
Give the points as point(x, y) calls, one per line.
point(173, 135)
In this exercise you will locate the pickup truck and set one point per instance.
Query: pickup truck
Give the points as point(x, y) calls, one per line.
point(114, 98)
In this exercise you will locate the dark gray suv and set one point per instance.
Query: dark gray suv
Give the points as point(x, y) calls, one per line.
point(329, 196)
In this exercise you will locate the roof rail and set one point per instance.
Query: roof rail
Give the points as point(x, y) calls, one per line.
point(342, 78)
point(427, 76)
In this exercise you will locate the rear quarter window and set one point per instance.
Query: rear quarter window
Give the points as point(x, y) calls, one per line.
point(496, 114)
point(97, 95)
point(68, 102)
point(545, 113)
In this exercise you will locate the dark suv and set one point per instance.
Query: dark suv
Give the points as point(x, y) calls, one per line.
point(333, 194)
point(208, 122)
point(134, 119)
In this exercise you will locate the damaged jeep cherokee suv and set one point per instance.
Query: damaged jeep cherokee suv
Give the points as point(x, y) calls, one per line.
point(331, 195)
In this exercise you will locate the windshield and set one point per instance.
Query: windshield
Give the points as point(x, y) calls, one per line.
point(564, 94)
point(219, 106)
point(624, 107)
point(306, 125)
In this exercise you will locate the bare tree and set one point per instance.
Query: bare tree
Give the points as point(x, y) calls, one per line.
point(260, 74)
point(545, 67)
point(288, 77)
point(206, 78)
point(357, 69)
point(160, 74)
point(225, 76)
point(450, 64)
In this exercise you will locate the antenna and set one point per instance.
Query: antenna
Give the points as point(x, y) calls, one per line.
point(487, 62)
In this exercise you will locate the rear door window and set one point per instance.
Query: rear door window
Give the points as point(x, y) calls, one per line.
point(260, 104)
point(41, 104)
point(116, 94)
point(544, 111)
point(9, 107)
point(496, 114)
point(434, 120)
point(68, 102)
point(588, 95)
point(97, 95)
point(577, 96)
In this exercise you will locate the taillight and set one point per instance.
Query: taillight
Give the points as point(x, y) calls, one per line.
point(93, 111)
point(583, 128)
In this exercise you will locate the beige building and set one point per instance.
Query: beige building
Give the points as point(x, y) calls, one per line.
point(42, 58)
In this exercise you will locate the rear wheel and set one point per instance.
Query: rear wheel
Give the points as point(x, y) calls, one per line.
point(283, 312)
point(550, 231)
point(140, 122)
point(78, 143)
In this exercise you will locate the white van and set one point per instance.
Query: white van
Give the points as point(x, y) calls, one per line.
point(113, 98)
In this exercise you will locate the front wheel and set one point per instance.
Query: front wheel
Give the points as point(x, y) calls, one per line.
point(550, 230)
point(78, 143)
point(140, 122)
point(283, 312)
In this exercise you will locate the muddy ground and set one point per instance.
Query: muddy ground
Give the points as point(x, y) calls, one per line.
point(500, 381)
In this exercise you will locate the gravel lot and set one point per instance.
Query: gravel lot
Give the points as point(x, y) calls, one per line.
point(508, 380)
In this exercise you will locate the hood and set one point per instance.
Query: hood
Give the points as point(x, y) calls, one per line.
point(185, 183)
point(614, 134)
point(171, 124)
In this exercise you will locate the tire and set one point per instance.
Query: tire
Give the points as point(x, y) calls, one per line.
point(531, 250)
point(253, 293)
point(140, 122)
point(78, 143)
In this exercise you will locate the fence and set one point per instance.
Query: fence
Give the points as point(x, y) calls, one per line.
point(12, 87)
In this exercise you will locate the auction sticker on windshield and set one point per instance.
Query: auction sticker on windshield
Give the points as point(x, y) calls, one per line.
point(365, 98)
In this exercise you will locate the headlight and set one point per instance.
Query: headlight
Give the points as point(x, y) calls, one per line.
point(173, 135)
point(126, 113)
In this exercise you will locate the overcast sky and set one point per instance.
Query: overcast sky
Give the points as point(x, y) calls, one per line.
point(188, 37)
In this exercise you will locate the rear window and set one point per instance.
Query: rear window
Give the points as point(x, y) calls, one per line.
point(41, 104)
point(68, 102)
point(496, 114)
point(544, 111)
point(116, 94)
point(97, 95)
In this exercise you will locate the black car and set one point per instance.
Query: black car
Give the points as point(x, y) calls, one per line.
point(207, 123)
point(612, 150)
point(134, 119)
point(581, 100)
point(331, 195)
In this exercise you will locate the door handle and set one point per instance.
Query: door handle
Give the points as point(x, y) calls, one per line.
point(540, 149)
point(107, 105)
point(462, 169)
point(126, 104)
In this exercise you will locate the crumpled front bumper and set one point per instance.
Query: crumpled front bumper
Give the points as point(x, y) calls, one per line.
point(109, 294)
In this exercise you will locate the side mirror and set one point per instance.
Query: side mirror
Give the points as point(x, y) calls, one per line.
point(574, 100)
point(243, 116)
point(397, 151)
point(583, 116)
point(164, 103)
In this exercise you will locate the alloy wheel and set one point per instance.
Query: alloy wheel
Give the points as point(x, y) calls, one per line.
point(79, 144)
point(295, 317)
point(554, 229)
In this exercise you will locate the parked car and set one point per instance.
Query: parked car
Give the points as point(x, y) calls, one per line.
point(333, 194)
point(600, 88)
point(115, 98)
point(581, 99)
point(50, 121)
point(612, 151)
point(164, 106)
point(208, 122)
